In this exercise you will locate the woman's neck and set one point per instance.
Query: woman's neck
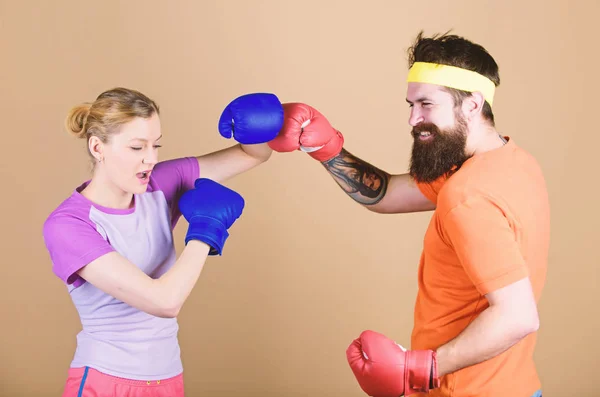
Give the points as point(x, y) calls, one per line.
point(106, 194)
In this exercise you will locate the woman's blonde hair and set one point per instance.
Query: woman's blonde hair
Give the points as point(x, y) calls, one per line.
point(108, 112)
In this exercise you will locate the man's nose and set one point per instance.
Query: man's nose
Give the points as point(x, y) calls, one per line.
point(415, 117)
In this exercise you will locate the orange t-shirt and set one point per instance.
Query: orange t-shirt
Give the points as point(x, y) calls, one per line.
point(491, 227)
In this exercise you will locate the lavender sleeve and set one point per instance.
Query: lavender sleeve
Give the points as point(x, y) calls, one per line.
point(173, 178)
point(72, 243)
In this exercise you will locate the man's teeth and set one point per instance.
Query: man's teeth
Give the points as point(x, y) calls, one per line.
point(425, 133)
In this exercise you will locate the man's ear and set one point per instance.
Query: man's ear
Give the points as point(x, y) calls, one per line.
point(473, 105)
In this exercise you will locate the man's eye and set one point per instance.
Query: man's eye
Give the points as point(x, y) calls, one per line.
point(427, 104)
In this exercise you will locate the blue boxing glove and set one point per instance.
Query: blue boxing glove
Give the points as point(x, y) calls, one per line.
point(252, 118)
point(210, 209)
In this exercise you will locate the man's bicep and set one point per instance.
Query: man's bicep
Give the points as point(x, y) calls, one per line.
point(485, 243)
point(517, 304)
point(513, 295)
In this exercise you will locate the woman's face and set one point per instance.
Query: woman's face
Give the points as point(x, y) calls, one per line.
point(131, 154)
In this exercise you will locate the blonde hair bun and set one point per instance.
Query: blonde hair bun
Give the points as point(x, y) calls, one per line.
point(76, 120)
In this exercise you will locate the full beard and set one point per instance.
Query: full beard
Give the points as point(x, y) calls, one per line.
point(442, 154)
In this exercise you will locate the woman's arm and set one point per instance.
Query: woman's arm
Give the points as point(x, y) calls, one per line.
point(210, 209)
point(229, 162)
point(162, 297)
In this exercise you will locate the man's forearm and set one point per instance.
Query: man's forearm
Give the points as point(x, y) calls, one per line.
point(363, 182)
point(493, 332)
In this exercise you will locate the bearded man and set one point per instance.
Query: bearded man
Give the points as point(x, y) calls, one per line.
point(484, 259)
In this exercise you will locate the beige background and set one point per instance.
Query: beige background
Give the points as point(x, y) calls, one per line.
point(306, 269)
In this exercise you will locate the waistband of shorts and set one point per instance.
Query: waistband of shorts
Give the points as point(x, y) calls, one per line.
point(93, 373)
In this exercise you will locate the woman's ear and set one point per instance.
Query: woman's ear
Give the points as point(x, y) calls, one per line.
point(96, 148)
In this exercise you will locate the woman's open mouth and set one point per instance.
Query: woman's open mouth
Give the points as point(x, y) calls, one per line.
point(143, 176)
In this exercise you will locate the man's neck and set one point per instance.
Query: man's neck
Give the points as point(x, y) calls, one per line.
point(488, 139)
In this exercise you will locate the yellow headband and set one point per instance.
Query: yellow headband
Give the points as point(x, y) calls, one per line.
point(452, 77)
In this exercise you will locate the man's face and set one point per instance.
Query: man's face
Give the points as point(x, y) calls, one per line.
point(439, 132)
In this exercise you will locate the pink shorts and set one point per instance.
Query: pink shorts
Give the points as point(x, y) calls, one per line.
point(88, 382)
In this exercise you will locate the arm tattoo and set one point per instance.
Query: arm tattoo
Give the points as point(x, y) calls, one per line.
point(363, 182)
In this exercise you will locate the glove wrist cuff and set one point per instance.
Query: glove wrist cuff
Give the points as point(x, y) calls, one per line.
point(331, 149)
point(208, 230)
point(421, 374)
point(435, 380)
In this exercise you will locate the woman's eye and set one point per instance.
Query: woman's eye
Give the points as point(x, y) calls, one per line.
point(136, 148)
point(157, 146)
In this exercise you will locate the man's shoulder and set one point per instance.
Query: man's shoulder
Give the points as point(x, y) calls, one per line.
point(499, 177)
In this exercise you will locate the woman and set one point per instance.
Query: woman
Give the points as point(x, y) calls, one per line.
point(111, 240)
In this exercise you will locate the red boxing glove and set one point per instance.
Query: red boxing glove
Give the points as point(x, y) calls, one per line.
point(304, 128)
point(385, 369)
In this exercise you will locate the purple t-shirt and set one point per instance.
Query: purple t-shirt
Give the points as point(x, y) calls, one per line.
point(116, 338)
